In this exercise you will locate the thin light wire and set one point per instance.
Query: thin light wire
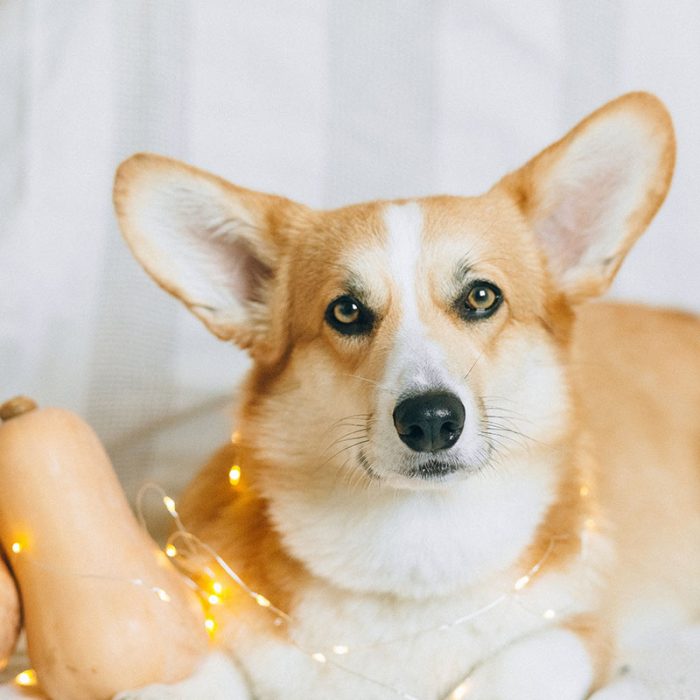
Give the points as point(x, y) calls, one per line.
point(193, 543)
point(161, 593)
point(318, 656)
point(257, 597)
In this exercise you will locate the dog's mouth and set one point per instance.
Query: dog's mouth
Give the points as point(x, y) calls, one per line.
point(431, 470)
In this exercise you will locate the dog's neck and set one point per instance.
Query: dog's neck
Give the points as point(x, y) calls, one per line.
point(415, 544)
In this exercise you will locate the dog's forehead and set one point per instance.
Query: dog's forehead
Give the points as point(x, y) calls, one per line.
point(429, 241)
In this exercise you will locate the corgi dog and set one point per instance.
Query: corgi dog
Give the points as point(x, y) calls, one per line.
point(459, 477)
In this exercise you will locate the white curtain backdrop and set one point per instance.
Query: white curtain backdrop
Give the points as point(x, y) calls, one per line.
point(326, 101)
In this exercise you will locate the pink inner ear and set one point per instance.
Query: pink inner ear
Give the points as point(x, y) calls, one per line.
point(221, 261)
point(247, 275)
point(582, 223)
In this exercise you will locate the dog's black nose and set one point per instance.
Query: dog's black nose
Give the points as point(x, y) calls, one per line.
point(429, 422)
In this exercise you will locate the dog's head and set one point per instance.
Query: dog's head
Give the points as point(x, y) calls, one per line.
point(408, 343)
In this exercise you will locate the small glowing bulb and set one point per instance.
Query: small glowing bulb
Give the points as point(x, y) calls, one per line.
point(217, 588)
point(460, 691)
point(234, 475)
point(589, 523)
point(26, 678)
point(549, 614)
point(171, 550)
point(235, 436)
point(521, 583)
point(214, 599)
point(318, 656)
point(584, 491)
point(16, 547)
point(340, 649)
point(170, 505)
point(262, 601)
point(162, 595)
point(210, 625)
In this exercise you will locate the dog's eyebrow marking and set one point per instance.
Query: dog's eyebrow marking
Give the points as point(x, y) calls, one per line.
point(463, 268)
point(355, 286)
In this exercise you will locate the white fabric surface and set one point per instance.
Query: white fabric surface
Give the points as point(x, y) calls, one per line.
point(326, 101)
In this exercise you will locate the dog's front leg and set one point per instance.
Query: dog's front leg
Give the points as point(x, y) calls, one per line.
point(216, 679)
point(550, 665)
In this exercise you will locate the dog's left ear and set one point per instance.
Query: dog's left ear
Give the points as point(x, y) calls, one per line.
point(219, 248)
point(589, 196)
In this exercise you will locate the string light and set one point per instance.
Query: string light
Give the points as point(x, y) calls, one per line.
point(27, 678)
point(461, 690)
point(521, 583)
point(170, 505)
point(161, 594)
point(157, 590)
point(234, 475)
point(458, 693)
point(340, 650)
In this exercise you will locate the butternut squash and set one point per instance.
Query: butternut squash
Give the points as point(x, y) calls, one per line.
point(104, 609)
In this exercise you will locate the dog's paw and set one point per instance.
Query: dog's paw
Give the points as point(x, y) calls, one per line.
point(216, 679)
point(550, 665)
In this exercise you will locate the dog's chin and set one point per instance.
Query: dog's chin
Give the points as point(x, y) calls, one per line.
point(424, 475)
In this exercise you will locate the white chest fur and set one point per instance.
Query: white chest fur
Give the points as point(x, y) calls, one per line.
point(412, 544)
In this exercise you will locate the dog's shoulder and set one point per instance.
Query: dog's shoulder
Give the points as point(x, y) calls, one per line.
point(618, 344)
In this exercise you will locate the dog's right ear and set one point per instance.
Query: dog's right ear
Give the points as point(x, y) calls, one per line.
point(215, 246)
point(589, 196)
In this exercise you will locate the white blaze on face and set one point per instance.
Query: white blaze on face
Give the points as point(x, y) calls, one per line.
point(404, 225)
point(415, 361)
point(416, 364)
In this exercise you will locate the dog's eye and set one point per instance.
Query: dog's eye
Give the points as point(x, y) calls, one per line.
point(481, 300)
point(348, 316)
